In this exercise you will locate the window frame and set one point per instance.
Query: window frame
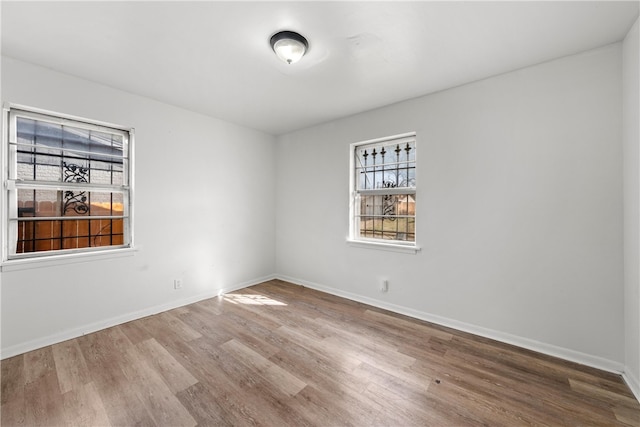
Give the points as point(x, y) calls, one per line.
point(354, 238)
point(10, 184)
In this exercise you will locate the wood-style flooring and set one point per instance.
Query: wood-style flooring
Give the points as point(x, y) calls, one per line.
point(277, 354)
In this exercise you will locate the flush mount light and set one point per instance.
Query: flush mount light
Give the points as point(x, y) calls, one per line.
point(289, 46)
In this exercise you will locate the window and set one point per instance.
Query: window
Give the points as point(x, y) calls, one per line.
point(383, 188)
point(67, 185)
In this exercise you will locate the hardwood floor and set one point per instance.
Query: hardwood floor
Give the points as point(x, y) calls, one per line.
point(277, 354)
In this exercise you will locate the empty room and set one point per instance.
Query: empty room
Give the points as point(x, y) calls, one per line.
point(320, 213)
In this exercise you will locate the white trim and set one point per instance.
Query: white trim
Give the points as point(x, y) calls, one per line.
point(540, 347)
point(118, 320)
point(410, 191)
point(48, 260)
point(67, 150)
point(4, 178)
point(67, 119)
point(12, 184)
point(632, 383)
point(366, 244)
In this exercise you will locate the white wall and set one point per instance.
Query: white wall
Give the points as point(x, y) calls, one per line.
point(631, 147)
point(519, 208)
point(204, 212)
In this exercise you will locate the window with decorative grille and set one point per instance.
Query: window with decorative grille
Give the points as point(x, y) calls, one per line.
point(68, 184)
point(383, 188)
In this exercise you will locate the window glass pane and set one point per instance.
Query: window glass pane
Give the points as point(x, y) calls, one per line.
point(25, 130)
point(388, 217)
point(102, 172)
point(26, 203)
point(388, 205)
point(69, 137)
point(47, 235)
point(46, 153)
point(26, 168)
point(50, 203)
point(45, 172)
point(402, 229)
point(69, 167)
point(385, 165)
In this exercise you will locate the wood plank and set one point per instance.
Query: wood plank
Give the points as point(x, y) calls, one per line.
point(203, 406)
point(13, 380)
point(463, 405)
point(377, 348)
point(251, 334)
point(212, 305)
point(178, 326)
point(489, 384)
point(396, 409)
point(70, 366)
point(323, 372)
point(135, 332)
point(104, 359)
point(413, 390)
point(408, 326)
point(320, 407)
point(173, 373)
point(247, 397)
point(276, 376)
point(167, 328)
point(225, 390)
point(38, 363)
point(390, 362)
point(601, 393)
point(627, 415)
point(83, 407)
point(206, 324)
point(324, 348)
point(43, 399)
point(163, 406)
point(13, 411)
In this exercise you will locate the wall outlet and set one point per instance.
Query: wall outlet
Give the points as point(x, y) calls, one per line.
point(177, 284)
point(384, 285)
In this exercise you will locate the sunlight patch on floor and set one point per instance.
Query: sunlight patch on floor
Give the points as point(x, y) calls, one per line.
point(251, 299)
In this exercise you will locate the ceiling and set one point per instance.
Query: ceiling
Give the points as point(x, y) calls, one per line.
point(214, 57)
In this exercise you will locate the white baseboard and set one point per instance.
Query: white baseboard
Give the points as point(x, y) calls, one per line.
point(68, 334)
point(633, 383)
point(540, 347)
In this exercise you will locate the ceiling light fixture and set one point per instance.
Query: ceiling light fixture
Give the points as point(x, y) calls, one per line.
point(289, 46)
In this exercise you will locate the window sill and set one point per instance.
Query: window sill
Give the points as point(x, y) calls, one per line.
point(55, 260)
point(383, 246)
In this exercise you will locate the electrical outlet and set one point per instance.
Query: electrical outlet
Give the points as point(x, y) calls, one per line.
point(384, 286)
point(177, 284)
